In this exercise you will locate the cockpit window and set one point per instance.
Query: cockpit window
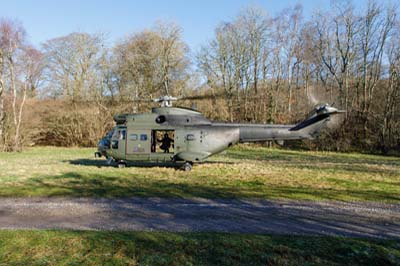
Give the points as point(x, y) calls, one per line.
point(109, 134)
point(119, 134)
point(122, 134)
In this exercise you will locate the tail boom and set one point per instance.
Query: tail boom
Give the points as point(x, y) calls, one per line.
point(307, 129)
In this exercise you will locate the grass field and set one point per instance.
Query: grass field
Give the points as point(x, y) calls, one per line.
point(119, 248)
point(242, 172)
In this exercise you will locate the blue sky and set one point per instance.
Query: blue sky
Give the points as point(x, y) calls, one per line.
point(46, 19)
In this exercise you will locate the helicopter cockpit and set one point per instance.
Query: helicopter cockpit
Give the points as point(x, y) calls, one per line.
point(105, 143)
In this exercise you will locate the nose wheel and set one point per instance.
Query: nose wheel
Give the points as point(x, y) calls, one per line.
point(187, 167)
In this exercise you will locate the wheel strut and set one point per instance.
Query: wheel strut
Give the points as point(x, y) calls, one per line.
point(121, 164)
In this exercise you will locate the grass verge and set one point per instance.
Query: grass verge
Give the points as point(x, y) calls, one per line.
point(141, 248)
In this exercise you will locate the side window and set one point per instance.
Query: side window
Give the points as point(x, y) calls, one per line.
point(143, 137)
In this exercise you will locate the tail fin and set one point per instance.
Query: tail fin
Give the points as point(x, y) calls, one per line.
point(316, 121)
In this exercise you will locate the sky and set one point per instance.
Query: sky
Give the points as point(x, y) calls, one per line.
point(47, 19)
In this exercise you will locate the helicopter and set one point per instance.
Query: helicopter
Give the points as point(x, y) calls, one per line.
point(188, 136)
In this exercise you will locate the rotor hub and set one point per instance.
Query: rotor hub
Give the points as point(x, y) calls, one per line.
point(166, 101)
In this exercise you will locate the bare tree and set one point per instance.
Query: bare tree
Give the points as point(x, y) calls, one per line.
point(172, 56)
point(30, 73)
point(72, 65)
point(254, 34)
point(2, 111)
point(216, 62)
point(390, 123)
point(374, 32)
point(12, 38)
point(336, 46)
point(234, 61)
point(152, 62)
point(288, 27)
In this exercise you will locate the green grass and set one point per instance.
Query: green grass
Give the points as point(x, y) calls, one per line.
point(242, 172)
point(142, 248)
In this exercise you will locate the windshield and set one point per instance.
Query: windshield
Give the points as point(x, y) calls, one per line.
point(105, 142)
point(109, 134)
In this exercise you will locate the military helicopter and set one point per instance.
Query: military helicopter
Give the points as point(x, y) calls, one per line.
point(177, 134)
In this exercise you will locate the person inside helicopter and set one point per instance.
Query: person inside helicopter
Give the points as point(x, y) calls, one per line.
point(166, 143)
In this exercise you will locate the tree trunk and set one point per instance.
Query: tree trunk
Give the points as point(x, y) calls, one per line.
point(2, 117)
point(19, 120)
point(2, 112)
point(16, 146)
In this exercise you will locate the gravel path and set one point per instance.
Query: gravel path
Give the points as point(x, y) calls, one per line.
point(181, 215)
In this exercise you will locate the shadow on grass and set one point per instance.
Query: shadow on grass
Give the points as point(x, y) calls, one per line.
point(127, 185)
point(144, 164)
point(103, 163)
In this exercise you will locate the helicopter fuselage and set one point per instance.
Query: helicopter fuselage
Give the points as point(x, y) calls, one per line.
point(192, 137)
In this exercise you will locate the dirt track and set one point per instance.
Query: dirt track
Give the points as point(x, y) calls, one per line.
point(181, 215)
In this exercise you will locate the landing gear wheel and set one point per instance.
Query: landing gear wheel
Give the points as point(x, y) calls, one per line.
point(121, 164)
point(187, 167)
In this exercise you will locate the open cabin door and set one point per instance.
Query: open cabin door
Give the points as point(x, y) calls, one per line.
point(162, 144)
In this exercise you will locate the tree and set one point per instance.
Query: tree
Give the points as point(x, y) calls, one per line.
point(336, 44)
point(72, 65)
point(152, 62)
point(30, 75)
point(390, 121)
point(253, 28)
point(234, 60)
point(12, 41)
point(375, 30)
point(288, 28)
point(2, 92)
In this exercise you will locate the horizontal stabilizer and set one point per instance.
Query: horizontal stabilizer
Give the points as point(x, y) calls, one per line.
point(315, 122)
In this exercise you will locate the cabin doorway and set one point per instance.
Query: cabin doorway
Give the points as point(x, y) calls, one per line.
point(162, 141)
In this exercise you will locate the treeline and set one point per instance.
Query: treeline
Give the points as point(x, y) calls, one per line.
point(269, 69)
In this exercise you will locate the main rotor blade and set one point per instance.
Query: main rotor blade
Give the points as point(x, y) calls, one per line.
point(202, 97)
